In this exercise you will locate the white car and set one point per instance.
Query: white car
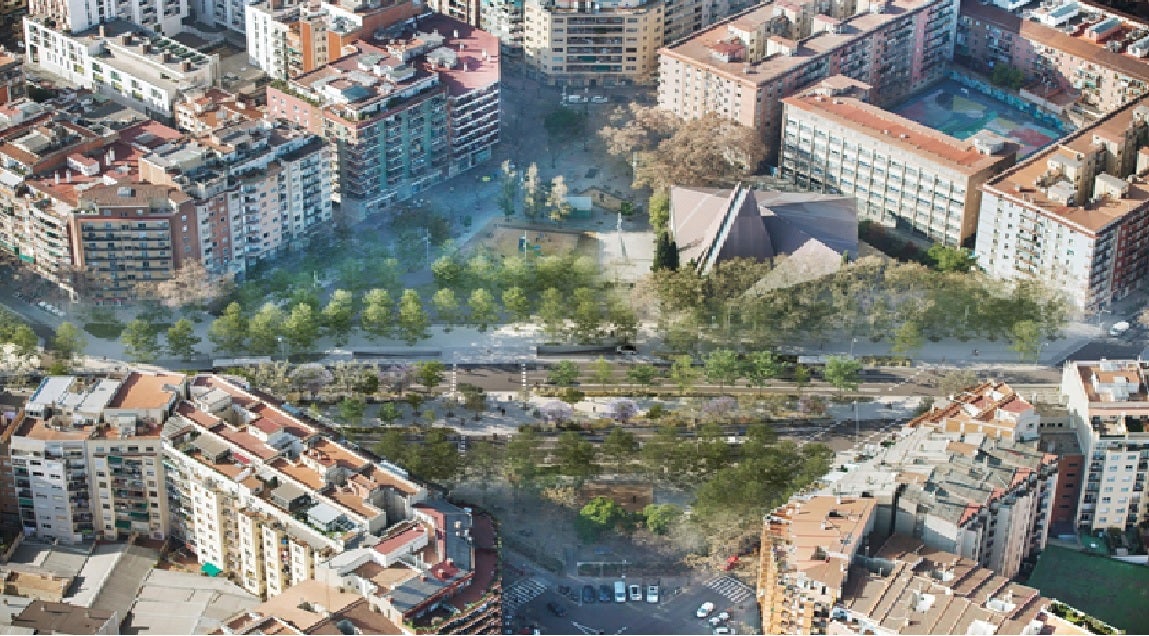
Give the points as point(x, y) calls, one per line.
point(723, 631)
point(719, 618)
point(652, 594)
point(599, 99)
point(704, 609)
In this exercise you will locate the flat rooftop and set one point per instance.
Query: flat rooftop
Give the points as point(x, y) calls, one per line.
point(897, 131)
point(697, 49)
point(818, 529)
point(1019, 184)
point(1078, 46)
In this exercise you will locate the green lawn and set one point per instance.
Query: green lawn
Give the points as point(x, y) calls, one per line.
point(1115, 592)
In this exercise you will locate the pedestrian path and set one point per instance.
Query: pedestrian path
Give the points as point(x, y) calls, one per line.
point(731, 588)
point(522, 592)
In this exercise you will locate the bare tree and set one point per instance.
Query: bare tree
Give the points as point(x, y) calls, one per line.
point(191, 284)
point(557, 199)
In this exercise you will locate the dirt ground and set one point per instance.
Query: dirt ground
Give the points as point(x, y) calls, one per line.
point(505, 239)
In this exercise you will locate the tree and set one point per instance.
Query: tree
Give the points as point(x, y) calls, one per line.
point(642, 374)
point(378, 314)
point(575, 456)
point(722, 366)
point(761, 366)
point(338, 315)
point(25, 341)
point(953, 382)
point(842, 372)
point(140, 341)
point(907, 338)
point(659, 205)
point(68, 341)
point(182, 339)
point(599, 515)
point(801, 376)
point(522, 459)
point(413, 321)
point(665, 253)
point(191, 284)
point(532, 192)
point(301, 327)
point(508, 189)
point(484, 311)
point(660, 517)
point(552, 311)
point(951, 259)
point(563, 374)
point(447, 271)
point(1026, 339)
point(682, 373)
point(517, 304)
point(446, 306)
point(619, 446)
point(587, 314)
point(601, 372)
point(351, 410)
point(436, 457)
point(623, 410)
point(429, 373)
point(265, 329)
point(229, 332)
point(557, 199)
point(388, 412)
point(563, 125)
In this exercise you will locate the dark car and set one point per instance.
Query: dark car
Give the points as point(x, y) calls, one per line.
point(605, 594)
point(588, 594)
point(556, 609)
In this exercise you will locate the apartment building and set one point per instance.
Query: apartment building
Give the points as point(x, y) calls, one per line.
point(260, 189)
point(1078, 59)
point(201, 112)
point(1108, 406)
point(289, 38)
point(991, 408)
point(86, 457)
point(13, 84)
point(587, 44)
point(504, 20)
point(977, 495)
point(902, 174)
point(403, 112)
point(906, 586)
point(808, 545)
point(1075, 215)
point(742, 67)
point(164, 16)
point(139, 68)
point(683, 18)
point(465, 11)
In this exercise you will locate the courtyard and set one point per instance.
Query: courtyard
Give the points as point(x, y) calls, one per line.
point(1115, 592)
point(961, 112)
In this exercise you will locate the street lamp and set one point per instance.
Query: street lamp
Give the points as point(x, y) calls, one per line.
point(853, 342)
point(1101, 312)
point(279, 339)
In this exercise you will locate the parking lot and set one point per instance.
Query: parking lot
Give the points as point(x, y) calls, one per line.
point(527, 606)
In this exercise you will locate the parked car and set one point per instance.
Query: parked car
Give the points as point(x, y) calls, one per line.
point(704, 610)
point(556, 609)
point(619, 592)
point(1119, 329)
point(636, 592)
point(719, 618)
point(588, 595)
point(652, 594)
point(598, 99)
point(723, 631)
point(604, 593)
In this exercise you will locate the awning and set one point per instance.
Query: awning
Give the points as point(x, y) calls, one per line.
point(123, 524)
point(210, 570)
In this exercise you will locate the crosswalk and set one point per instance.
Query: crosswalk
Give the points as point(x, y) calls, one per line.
point(731, 588)
point(522, 592)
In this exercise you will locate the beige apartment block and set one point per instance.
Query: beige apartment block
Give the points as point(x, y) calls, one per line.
point(586, 44)
point(1076, 215)
point(742, 67)
point(1108, 404)
point(902, 174)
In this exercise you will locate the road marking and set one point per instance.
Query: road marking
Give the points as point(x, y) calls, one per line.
point(522, 592)
point(731, 588)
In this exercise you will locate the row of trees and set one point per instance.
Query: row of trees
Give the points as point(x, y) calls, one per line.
point(873, 297)
point(532, 194)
